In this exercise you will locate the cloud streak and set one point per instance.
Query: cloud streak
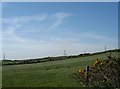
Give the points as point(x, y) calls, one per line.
point(14, 24)
point(59, 19)
point(10, 35)
point(24, 19)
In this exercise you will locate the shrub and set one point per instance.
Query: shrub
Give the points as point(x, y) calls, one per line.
point(101, 74)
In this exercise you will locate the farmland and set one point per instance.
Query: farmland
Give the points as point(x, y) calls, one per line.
point(48, 74)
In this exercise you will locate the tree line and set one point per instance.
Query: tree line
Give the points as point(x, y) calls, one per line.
point(47, 59)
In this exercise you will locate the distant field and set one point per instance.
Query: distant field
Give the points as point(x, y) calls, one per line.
point(47, 74)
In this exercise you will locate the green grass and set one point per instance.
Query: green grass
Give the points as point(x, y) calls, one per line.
point(47, 74)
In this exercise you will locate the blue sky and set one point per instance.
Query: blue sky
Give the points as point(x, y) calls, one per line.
point(33, 29)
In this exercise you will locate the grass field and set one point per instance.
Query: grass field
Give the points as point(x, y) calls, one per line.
point(47, 74)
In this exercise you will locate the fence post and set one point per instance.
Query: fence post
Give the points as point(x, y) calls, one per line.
point(87, 75)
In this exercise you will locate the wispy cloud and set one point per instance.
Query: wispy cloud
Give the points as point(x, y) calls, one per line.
point(59, 19)
point(15, 23)
point(11, 25)
point(24, 19)
point(9, 35)
point(93, 36)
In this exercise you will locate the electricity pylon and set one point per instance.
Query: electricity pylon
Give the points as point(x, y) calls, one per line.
point(65, 53)
point(4, 56)
point(105, 48)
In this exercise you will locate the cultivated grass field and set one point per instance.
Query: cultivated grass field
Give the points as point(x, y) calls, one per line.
point(47, 74)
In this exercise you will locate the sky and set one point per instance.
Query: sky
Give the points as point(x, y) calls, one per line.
point(42, 29)
point(0, 32)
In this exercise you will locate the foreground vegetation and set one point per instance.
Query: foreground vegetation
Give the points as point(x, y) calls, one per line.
point(101, 73)
point(48, 74)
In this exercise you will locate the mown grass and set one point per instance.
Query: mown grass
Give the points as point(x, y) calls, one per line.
point(47, 74)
